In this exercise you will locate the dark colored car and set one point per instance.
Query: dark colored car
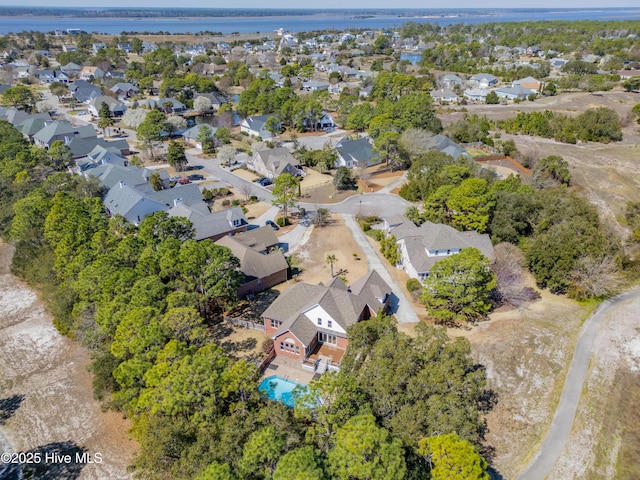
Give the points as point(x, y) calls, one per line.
point(272, 224)
point(196, 176)
point(265, 182)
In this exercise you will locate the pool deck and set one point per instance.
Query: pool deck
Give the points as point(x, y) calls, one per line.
point(288, 368)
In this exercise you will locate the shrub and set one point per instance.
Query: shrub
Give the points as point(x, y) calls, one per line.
point(253, 198)
point(226, 203)
point(365, 226)
point(235, 203)
point(281, 222)
point(413, 285)
point(267, 345)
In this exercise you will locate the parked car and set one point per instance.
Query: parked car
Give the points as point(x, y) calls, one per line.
point(266, 182)
point(272, 224)
point(260, 180)
point(195, 176)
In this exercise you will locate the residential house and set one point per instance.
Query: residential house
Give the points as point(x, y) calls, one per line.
point(81, 147)
point(530, 83)
point(69, 47)
point(309, 322)
point(16, 117)
point(72, 70)
point(96, 47)
point(217, 99)
point(190, 136)
point(421, 247)
point(207, 224)
point(261, 263)
point(272, 162)
point(484, 80)
point(627, 74)
point(116, 107)
point(84, 91)
point(124, 90)
point(125, 47)
point(356, 153)
point(314, 85)
point(256, 126)
point(444, 96)
point(516, 92)
point(476, 94)
point(130, 203)
point(61, 130)
point(324, 122)
point(100, 156)
point(444, 144)
point(89, 73)
point(31, 126)
point(49, 76)
point(451, 81)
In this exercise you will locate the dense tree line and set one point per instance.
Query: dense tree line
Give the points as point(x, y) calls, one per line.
point(594, 125)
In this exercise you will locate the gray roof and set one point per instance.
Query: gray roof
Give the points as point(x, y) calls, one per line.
point(277, 159)
point(436, 236)
point(344, 306)
point(15, 116)
point(448, 146)
point(193, 132)
point(188, 194)
point(31, 126)
point(131, 203)
point(205, 223)
point(257, 122)
point(111, 175)
point(113, 104)
point(63, 129)
point(81, 147)
point(357, 150)
point(124, 87)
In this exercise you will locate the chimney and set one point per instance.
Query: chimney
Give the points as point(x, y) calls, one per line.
point(122, 184)
point(177, 201)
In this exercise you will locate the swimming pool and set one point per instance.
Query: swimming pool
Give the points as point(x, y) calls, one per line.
point(281, 389)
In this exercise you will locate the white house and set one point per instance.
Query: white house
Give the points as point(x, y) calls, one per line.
point(484, 80)
point(256, 126)
point(421, 247)
point(476, 94)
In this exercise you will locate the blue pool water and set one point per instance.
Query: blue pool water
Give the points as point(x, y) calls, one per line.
point(280, 389)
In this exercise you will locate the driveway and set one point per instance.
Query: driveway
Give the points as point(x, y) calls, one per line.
point(400, 305)
point(560, 429)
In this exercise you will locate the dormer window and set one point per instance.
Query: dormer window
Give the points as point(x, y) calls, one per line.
point(329, 324)
point(320, 321)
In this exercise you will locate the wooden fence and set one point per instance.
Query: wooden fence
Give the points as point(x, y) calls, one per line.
point(244, 323)
point(267, 360)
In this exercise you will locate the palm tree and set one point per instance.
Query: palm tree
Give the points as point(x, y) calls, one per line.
point(331, 259)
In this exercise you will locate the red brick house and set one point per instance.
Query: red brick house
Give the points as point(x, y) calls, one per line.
point(309, 322)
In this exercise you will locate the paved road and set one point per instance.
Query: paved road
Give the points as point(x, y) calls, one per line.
point(400, 305)
point(558, 434)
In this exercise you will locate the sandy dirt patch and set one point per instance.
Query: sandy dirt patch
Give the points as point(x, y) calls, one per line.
point(314, 179)
point(526, 354)
point(246, 174)
point(254, 210)
point(333, 239)
point(43, 376)
point(605, 446)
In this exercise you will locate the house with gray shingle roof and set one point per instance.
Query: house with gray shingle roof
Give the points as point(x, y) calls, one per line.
point(353, 153)
point(256, 126)
point(309, 322)
point(116, 107)
point(62, 130)
point(262, 266)
point(207, 224)
point(272, 162)
point(422, 247)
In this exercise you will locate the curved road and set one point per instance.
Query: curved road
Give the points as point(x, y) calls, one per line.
point(558, 434)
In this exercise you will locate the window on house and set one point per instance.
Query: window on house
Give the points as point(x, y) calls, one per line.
point(448, 252)
point(329, 323)
point(281, 346)
point(320, 321)
point(275, 323)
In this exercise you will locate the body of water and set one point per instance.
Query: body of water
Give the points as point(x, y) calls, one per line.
point(299, 23)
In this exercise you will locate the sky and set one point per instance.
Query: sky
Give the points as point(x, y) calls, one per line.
point(583, 4)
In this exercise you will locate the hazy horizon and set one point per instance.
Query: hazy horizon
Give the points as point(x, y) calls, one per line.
point(328, 4)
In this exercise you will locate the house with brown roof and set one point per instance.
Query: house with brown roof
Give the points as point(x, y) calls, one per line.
point(309, 322)
point(422, 247)
point(261, 263)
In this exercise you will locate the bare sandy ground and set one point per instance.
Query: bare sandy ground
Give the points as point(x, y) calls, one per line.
point(45, 391)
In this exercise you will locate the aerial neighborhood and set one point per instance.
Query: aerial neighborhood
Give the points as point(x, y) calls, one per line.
point(278, 246)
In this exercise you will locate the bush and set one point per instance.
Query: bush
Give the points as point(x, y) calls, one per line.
point(364, 225)
point(253, 198)
point(281, 222)
point(226, 203)
point(413, 285)
point(267, 345)
point(235, 203)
